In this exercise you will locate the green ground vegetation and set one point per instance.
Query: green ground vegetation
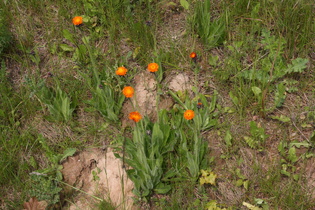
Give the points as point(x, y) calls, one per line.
point(250, 144)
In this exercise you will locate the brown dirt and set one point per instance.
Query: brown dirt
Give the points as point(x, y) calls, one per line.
point(310, 176)
point(98, 173)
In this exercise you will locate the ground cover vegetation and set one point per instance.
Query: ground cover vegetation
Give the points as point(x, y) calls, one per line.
point(241, 137)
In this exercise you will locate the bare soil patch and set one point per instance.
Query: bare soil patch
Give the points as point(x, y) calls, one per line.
point(99, 173)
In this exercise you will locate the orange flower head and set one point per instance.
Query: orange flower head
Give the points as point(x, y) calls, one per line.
point(153, 67)
point(128, 91)
point(193, 55)
point(135, 116)
point(121, 71)
point(77, 20)
point(189, 114)
point(199, 105)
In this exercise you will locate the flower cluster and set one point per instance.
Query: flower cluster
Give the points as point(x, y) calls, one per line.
point(128, 91)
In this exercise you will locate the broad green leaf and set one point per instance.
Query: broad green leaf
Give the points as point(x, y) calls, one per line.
point(256, 90)
point(184, 4)
point(239, 182)
point(162, 188)
point(68, 35)
point(67, 153)
point(292, 155)
point(66, 47)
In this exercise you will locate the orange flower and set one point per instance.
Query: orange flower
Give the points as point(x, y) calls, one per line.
point(193, 55)
point(121, 71)
point(153, 67)
point(199, 105)
point(128, 91)
point(77, 20)
point(189, 114)
point(135, 116)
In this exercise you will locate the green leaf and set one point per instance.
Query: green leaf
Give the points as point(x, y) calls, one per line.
point(228, 139)
point(281, 147)
point(184, 4)
point(67, 153)
point(286, 173)
point(250, 141)
point(234, 99)
point(136, 52)
point(86, 40)
point(298, 65)
point(280, 95)
point(157, 134)
point(58, 175)
point(239, 183)
point(68, 35)
point(66, 48)
point(246, 184)
point(256, 90)
point(213, 60)
point(300, 144)
point(292, 155)
point(281, 118)
point(296, 177)
point(162, 188)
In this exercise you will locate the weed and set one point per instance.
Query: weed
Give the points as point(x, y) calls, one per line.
point(211, 32)
point(56, 100)
point(146, 155)
point(107, 97)
point(45, 182)
point(257, 138)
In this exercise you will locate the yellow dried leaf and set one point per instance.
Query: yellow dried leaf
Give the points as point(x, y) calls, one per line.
point(207, 177)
